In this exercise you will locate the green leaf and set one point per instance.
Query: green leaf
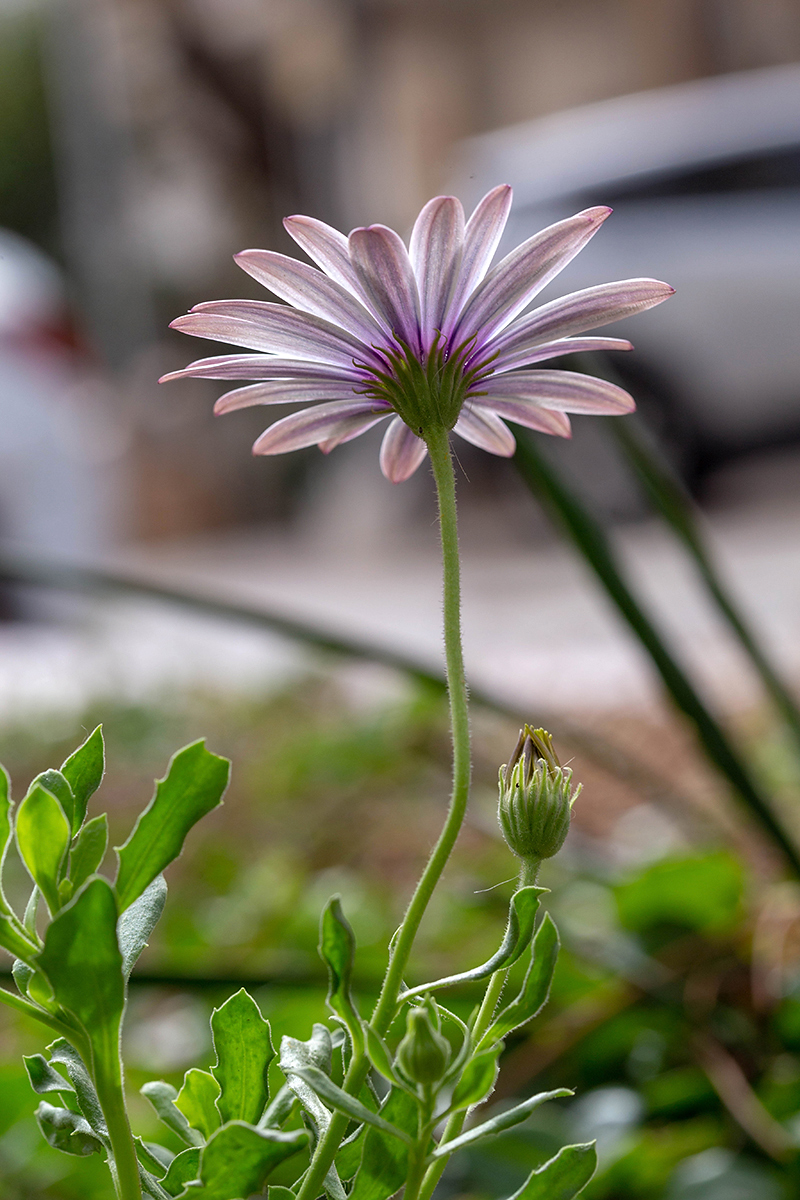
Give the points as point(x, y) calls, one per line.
point(6, 807)
point(43, 835)
point(337, 945)
point(535, 988)
point(278, 1108)
point(340, 1100)
point(183, 1168)
point(42, 1076)
point(88, 850)
point(67, 1131)
point(504, 1120)
point(563, 1177)
point(519, 930)
point(238, 1160)
point(64, 1054)
point(139, 920)
point(162, 1096)
point(55, 783)
point(82, 961)
point(194, 785)
point(477, 1080)
point(13, 939)
point(197, 1101)
point(384, 1162)
point(277, 1192)
point(155, 1159)
point(244, 1051)
point(348, 1156)
point(83, 770)
point(379, 1054)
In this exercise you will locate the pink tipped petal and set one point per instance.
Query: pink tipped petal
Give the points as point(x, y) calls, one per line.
point(587, 345)
point(327, 247)
point(565, 391)
point(274, 328)
point(384, 269)
point(322, 423)
point(481, 239)
point(483, 428)
point(401, 451)
point(525, 412)
point(577, 313)
point(524, 272)
point(283, 391)
point(435, 250)
point(261, 366)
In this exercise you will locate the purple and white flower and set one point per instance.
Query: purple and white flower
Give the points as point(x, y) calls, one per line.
point(427, 336)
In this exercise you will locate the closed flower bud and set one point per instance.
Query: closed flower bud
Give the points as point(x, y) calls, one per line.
point(424, 1053)
point(535, 797)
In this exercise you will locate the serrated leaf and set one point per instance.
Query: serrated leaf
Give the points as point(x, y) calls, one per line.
point(197, 1101)
point(162, 1096)
point(536, 986)
point(519, 929)
point(563, 1177)
point(54, 782)
point(182, 1170)
point(66, 1055)
point(244, 1051)
point(239, 1158)
point(495, 1125)
point(327, 1090)
point(477, 1079)
point(88, 850)
point(337, 945)
point(43, 1078)
point(384, 1161)
point(194, 785)
point(83, 770)
point(67, 1131)
point(139, 920)
point(43, 834)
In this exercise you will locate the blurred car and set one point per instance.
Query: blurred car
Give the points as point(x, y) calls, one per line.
point(704, 178)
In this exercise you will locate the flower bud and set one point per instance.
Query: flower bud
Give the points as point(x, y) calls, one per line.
point(535, 797)
point(424, 1053)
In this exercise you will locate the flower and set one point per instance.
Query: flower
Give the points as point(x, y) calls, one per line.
point(427, 336)
point(536, 797)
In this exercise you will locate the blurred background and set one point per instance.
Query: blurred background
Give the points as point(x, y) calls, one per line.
point(142, 143)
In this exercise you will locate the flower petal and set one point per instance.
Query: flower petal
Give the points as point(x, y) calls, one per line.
point(435, 250)
point(401, 451)
point(321, 423)
point(529, 414)
point(261, 366)
point(284, 391)
point(308, 289)
point(554, 349)
point(565, 391)
point(484, 429)
point(481, 238)
point(327, 247)
point(274, 328)
point(577, 313)
point(525, 271)
point(384, 270)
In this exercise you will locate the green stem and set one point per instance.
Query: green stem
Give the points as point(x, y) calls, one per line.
point(112, 1101)
point(438, 443)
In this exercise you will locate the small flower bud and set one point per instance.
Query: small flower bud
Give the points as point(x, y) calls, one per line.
point(535, 798)
point(424, 1053)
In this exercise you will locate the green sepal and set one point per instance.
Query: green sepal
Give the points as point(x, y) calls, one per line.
point(477, 1079)
point(139, 920)
point(504, 1120)
point(519, 930)
point(67, 1131)
point(384, 1161)
point(239, 1158)
point(535, 988)
point(562, 1177)
point(88, 850)
point(327, 1090)
point(182, 1170)
point(43, 834)
point(244, 1051)
point(194, 785)
point(162, 1096)
point(197, 1101)
point(337, 945)
point(83, 771)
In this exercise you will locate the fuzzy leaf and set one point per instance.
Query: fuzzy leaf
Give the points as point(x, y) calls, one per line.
point(194, 785)
point(197, 1101)
point(162, 1096)
point(183, 1168)
point(67, 1131)
point(42, 1077)
point(238, 1160)
point(83, 770)
point(340, 1100)
point(88, 850)
point(66, 1055)
point(536, 986)
point(139, 920)
point(43, 834)
point(244, 1051)
point(495, 1125)
point(337, 946)
point(477, 1080)
point(384, 1161)
point(563, 1177)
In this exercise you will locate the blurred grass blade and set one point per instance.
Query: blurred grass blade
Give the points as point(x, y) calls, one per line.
point(669, 498)
point(595, 547)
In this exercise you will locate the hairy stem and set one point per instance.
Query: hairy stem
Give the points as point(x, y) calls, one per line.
point(112, 1101)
